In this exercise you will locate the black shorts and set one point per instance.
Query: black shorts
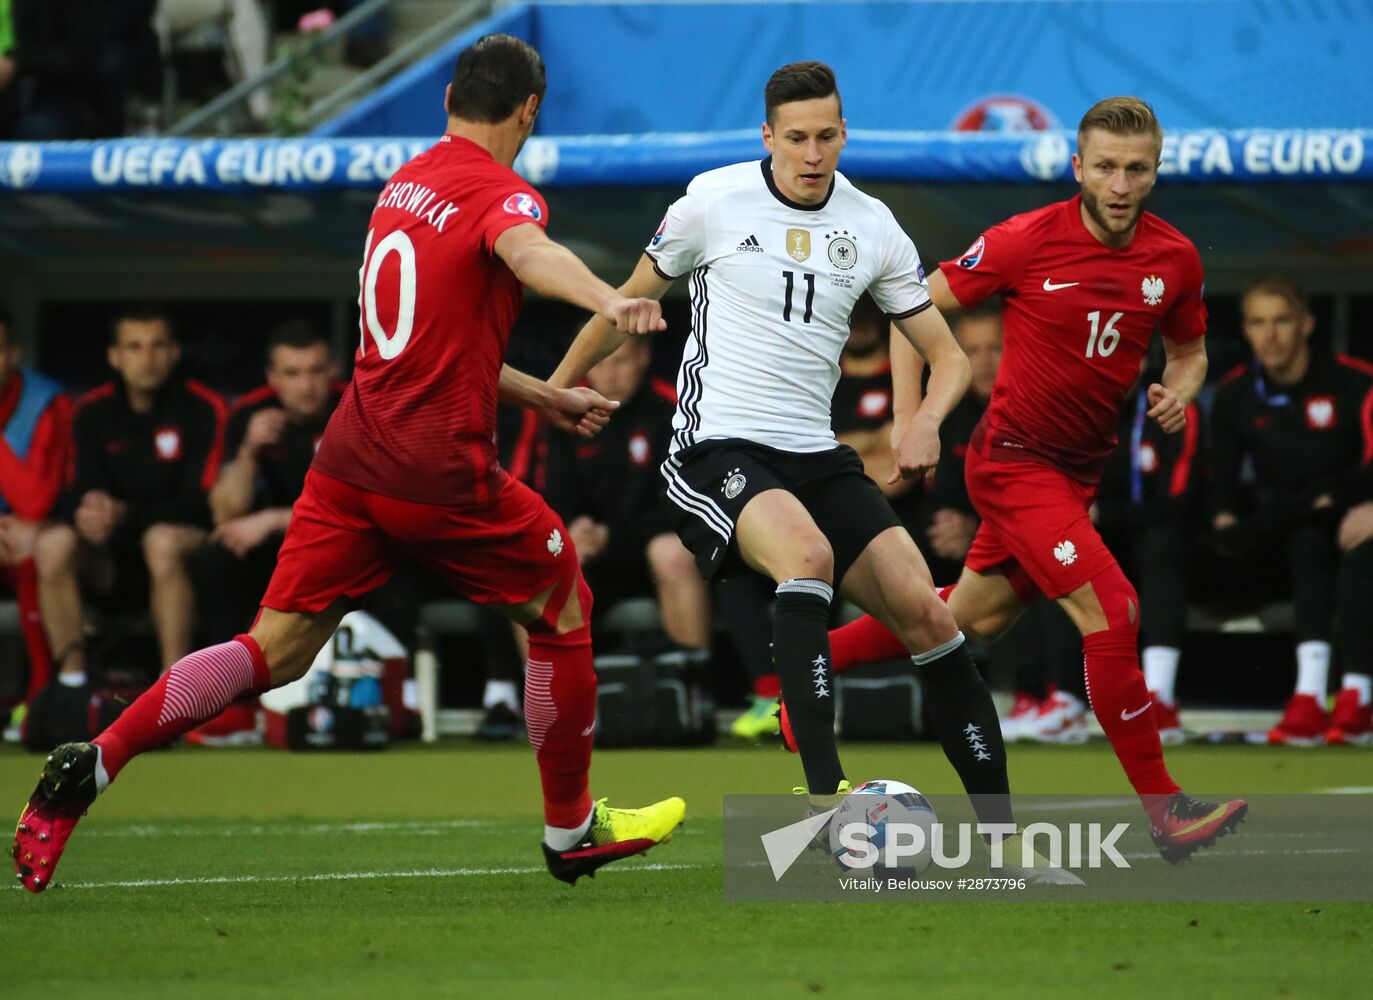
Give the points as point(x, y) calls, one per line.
point(711, 482)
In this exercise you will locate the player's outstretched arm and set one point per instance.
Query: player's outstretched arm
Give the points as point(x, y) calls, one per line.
point(1184, 374)
point(556, 272)
point(581, 410)
point(915, 434)
point(601, 338)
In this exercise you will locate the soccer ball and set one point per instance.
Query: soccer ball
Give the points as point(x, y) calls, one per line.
point(883, 826)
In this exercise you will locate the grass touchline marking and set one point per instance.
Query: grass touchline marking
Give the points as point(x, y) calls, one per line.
point(151, 883)
point(285, 829)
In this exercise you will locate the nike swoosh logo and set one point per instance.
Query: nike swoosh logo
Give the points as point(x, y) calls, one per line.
point(1210, 817)
point(1127, 716)
point(1049, 286)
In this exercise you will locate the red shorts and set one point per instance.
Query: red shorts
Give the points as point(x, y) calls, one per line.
point(345, 541)
point(1035, 528)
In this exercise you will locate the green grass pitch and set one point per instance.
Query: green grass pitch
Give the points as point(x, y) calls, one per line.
point(415, 872)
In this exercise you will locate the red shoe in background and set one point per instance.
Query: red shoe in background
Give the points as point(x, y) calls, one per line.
point(1023, 711)
point(1303, 724)
point(1170, 731)
point(1350, 722)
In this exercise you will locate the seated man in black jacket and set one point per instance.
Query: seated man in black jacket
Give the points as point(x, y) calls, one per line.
point(147, 449)
point(270, 442)
point(1148, 491)
point(1305, 422)
point(609, 492)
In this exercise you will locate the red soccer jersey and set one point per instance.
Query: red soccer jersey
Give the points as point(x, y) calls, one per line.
point(418, 420)
point(1078, 318)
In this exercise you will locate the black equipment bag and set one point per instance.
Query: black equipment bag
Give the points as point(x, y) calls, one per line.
point(661, 700)
point(880, 702)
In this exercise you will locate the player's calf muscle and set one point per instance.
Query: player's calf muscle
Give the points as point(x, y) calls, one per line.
point(921, 624)
point(985, 607)
point(990, 628)
point(291, 640)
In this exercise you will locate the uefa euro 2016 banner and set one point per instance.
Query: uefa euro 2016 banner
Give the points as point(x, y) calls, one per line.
point(1202, 156)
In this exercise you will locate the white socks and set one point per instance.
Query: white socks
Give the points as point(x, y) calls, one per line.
point(501, 693)
point(560, 838)
point(102, 777)
point(1313, 668)
point(1161, 671)
point(1360, 683)
point(72, 680)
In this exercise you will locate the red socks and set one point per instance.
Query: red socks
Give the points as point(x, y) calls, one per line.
point(866, 640)
point(863, 640)
point(768, 686)
point(24, 577)
point(560, 713)
point(1121, 701)
point(196, 688)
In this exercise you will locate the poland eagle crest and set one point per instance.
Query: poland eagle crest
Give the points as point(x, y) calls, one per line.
point(1152, 287)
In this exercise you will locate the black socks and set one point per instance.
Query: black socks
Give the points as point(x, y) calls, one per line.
point(801, 651)
point(966, 723)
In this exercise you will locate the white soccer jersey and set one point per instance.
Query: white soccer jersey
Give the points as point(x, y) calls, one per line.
point(773, 284)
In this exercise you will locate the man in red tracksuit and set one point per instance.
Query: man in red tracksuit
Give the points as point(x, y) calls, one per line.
point(35, 434)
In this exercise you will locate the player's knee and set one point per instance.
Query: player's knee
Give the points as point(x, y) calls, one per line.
point(810, 559)
point(567, 611)
point(576, 612)
point(55, 551)
point(21, 536)
point(668, 558)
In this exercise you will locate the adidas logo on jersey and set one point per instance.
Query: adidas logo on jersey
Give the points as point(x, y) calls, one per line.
point(750, 245)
